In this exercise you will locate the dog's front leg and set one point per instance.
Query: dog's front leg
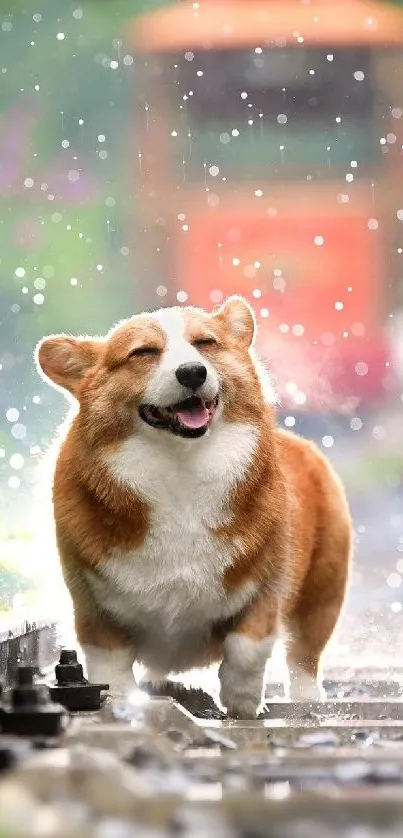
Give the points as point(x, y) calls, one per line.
point(246, 651)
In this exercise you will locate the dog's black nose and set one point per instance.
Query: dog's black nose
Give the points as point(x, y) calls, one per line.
point(191, 375)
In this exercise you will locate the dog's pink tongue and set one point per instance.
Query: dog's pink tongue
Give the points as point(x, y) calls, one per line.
point(195, 417)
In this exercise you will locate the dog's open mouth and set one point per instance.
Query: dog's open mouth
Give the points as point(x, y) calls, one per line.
point(190, 418)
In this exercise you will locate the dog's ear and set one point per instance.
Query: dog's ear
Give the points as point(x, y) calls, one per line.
point(239, 320)
point(64, 361)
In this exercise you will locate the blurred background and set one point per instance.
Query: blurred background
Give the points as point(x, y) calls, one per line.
point(156, 153)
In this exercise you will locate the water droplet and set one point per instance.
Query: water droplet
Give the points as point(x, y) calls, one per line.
point(319, 241)
point(12, 414)
point(17, 461)
point(394, 580)
point(327, 441)
point(60, 36)
point(361, 368)
point(19, 431)
point(38, 299)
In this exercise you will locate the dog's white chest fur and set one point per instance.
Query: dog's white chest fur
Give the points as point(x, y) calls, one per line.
point(170, 590)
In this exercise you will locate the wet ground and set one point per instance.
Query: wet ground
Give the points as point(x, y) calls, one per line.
point(159, 766)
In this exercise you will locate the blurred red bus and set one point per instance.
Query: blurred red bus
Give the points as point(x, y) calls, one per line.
point(268, 163)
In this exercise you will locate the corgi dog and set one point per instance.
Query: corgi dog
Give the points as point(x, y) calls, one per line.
point(191, 529)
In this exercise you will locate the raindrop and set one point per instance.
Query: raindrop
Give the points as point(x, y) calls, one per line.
point(38, 299)
point(289, 421)
point(78, 13)
point(372, 224)
point(60, 36)
point(361, 368)
point(264, 312)
point(359, 75)
point(216, 296)
point(14, 482)
point(319, 241)
point(282, 118)
point(394, 580)
point(73, 280)
point(182, 296)
point(298, 330)
point(20, 272)
point(28, 182)
point(356, 423)
point(161, 290)
point(12, 414)
point(17, 461)
point(40, 283)
point(327, 441)
point(19, 431)
point(214, 171)
point(189, 56)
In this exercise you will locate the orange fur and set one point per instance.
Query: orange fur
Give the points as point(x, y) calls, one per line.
point(287, 516)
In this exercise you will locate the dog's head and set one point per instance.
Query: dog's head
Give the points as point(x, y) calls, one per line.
point(176, 371)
